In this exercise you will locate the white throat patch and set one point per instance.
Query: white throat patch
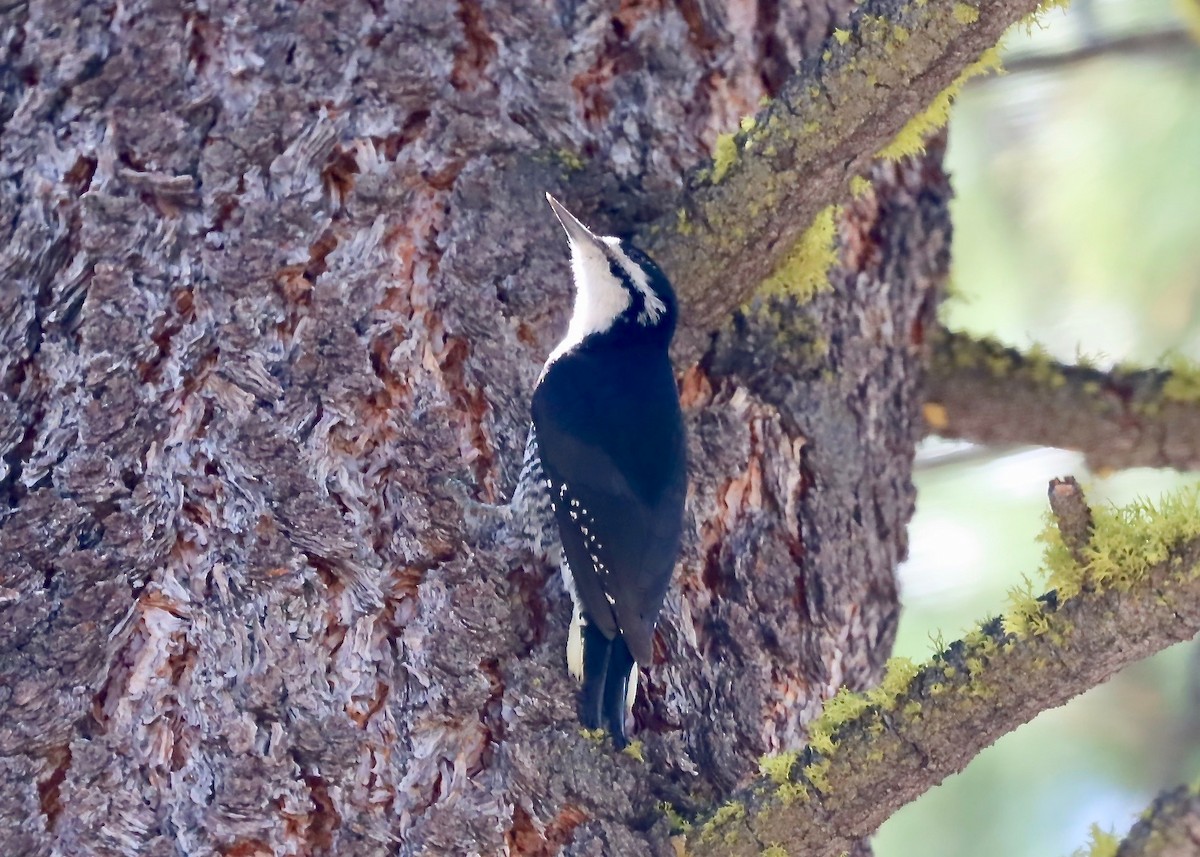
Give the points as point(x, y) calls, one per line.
point(600, 298)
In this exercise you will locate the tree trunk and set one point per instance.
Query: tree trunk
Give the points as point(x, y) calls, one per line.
point(273, 274)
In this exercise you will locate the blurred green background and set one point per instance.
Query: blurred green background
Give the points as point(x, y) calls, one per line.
point(1077, 226)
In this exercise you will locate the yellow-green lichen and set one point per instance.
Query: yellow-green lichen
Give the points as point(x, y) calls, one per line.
point(911, 138)
point(1100, 844)
point(897, 676)
point(1128, 541)
point(822, 741)
point(1125, 544)
point(842, 706)
point(775, 850)
point(569, 159)
point(817, 773)
point(789, 793)
point(842, 36)
point(1043, 368)
point(724, 816)
point(1024, 617)
point(965, 14)
point(677, 822)
point(1183, 384)
point(777, 768)
point(724, 156)
point(634, 751)
point(805, 270)
point(859, 185)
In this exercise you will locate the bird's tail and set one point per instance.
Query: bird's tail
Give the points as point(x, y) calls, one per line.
point(609, 682)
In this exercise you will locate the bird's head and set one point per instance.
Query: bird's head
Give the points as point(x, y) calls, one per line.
point(619, 291)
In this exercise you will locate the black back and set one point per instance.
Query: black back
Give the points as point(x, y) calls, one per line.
point(611, 439)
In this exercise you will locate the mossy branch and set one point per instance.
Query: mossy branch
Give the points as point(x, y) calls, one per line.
point(878, 86)
point(1170, 827)
point(1137, 592)
point(982, 391)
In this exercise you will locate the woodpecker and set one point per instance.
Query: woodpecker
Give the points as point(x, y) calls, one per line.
point(609, 436)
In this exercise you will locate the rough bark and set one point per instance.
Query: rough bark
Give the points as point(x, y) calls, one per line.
point(1170, 827)
point(272, 274)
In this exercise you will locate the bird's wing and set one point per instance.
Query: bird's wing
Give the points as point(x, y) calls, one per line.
point(622, 564)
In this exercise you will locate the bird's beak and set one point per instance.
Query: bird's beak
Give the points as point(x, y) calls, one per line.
point(576, 231)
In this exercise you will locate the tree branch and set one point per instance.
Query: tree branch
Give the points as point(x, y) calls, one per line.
point(1169, 828)
point(982, 391)
point(1155, 44)
point(740, 217)
point(871, 753)
point(1072, 515)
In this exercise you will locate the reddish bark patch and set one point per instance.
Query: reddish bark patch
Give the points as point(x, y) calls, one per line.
point(337, 176)
point(412, 128)
point(472, 403)
point(50, 789)
point(319, 250)
point(478, 47)
point(695, 390)
point(524, 838)
point(591, 86)
point(324, 818)
point(79, 177)
point(862, 245)
point(700, 34)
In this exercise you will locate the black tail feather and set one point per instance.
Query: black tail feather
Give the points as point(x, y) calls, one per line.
point(596, 649)
point(616, 684)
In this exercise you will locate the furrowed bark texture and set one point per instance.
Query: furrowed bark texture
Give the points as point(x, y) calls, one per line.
point(270, 275)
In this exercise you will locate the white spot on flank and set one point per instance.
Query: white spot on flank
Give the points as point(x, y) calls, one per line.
point(575, 646)
point(631, 688)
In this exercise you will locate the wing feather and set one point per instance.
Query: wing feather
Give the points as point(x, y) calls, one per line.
point(619, 475)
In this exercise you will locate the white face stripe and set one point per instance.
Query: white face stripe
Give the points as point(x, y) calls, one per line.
point(575, 645)
point(631, 688)
point(652, 303)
